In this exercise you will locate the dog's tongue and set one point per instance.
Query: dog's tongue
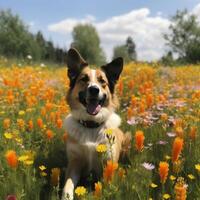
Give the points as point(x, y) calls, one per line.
point(93, 108)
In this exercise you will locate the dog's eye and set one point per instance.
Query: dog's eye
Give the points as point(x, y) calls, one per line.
point(84, 79)
point(102, 81)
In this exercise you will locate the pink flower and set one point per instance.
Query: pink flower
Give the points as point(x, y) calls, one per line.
point(148, 166)
point(162, 142)
point(11, 197)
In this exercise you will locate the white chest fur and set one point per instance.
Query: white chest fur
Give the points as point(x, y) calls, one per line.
point(89, 135)
point(87, 138)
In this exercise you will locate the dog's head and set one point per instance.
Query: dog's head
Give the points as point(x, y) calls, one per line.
point(92, 91)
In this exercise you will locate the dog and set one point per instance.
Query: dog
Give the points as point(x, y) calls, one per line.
point(93, 102)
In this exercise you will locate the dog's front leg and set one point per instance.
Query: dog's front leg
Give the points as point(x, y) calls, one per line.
point(72, 178)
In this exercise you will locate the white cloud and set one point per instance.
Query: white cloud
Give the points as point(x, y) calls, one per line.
point(146, 30)
point(67, 25)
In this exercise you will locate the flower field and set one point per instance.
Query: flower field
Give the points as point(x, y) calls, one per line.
point(160, 107)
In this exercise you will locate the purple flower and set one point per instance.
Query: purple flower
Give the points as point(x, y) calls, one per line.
point(132, 121)
point(171, 134)
point(148, 166)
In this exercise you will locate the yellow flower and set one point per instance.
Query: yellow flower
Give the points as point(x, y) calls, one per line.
point(80, 191)
point(190, 176)
point(153, 185)
point(197, 167)
point(8, 135)
point(166, 196)
point(167, 157)
point(19, 140)
point(101, 148)
point(29, 109)
point(28, 162)
point(2, 112)
point(109, 131)
point(42, 167)
point(21, 112)
point(43, 174)
point(172, 178)
point(23, 158)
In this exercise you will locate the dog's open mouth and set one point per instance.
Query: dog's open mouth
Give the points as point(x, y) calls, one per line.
point(93, 106)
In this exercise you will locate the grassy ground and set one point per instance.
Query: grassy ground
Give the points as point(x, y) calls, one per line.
point(159, 106)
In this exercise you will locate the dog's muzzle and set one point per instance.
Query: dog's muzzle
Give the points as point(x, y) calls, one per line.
point(92, 99)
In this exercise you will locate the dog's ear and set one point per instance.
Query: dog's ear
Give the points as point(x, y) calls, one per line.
point(113, 71)
point(75, 64)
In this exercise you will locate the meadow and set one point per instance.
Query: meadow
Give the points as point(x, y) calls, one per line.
point(160, 107)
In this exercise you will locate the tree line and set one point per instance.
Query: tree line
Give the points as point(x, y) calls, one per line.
point(183, 41)
point(17, 41)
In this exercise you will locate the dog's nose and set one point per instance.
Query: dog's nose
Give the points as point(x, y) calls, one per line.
point(93, 90)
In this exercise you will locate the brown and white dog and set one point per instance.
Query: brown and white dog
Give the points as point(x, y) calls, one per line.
point(92, 100)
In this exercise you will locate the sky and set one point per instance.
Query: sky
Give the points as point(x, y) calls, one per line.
point(144, 20)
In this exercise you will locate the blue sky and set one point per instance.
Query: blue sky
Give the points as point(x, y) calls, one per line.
point(114, 20)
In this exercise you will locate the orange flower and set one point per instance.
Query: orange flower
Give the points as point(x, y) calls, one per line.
point(52, 117)
point(120, 87)
point(10, 99)
point(180, 189)
point(139, 140)
point(133, 101)
point(39, 122)
point(109, 170)
point(43, 111)
point(48, 106)
point(163, 171)
point(142, 107)
point(49, 134)
point(20, 123)
point(59, 123)
point(177, 148)
point(98, 189)
point(6, 123)
point(57, 114)
point(193, 132)
point(131, 84)
point(30, 124)
point(11, 158)
point(129, 113)
point(149, 100)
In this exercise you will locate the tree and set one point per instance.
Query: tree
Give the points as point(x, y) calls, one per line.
point(42, 44)
point(15, 39)
point(87, 42)
point(121, 51)
point(131, 48)
point(167, 59)
point(184, 37)
point(127, 51)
